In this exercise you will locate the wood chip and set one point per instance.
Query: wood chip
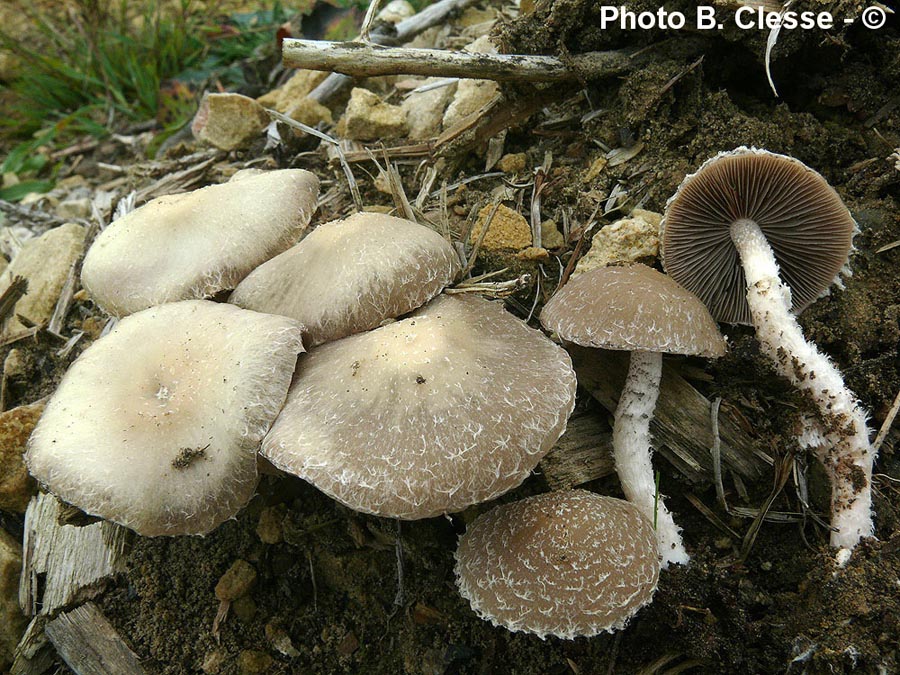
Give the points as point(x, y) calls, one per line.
point(88, 643)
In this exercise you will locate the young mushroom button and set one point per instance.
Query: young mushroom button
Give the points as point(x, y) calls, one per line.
point(156, 426)
point(566, 564)
point(196, 244)
point(755, 235)
point(637, 309)
point(349, 275)
point(452, 406)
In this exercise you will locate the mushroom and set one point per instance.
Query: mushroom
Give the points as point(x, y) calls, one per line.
point(452, 406)
point(156, 425)
point(729, 230)
point(196, 244)
point(636, 308)
point(349, 275)
point(568, 564)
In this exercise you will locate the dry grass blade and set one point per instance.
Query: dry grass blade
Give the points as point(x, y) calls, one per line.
point(8, 299)
point(783, 469)
point(470, 263)
point(710, 515)
point(885, 427)
point(62, 304)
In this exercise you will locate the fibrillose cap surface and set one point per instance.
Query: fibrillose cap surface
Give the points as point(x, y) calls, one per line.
point(804, 220)
point(156, 426)
point(196, 244)
point(349, 275)
point(568, 564)
point(449, 407)
point(632, 308)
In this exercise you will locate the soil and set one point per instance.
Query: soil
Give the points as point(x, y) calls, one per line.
point(328, 599)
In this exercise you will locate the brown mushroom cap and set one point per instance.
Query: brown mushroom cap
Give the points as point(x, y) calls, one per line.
point(803, 218)
point(632, 308)
point(156, 425)
point(569, 564)
point(195, 244)
point(349, 275)
point(451, 406)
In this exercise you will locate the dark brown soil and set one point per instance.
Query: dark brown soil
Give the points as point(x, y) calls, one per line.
point(330, 589)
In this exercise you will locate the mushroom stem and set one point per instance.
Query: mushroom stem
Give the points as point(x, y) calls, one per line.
point(632, 451)
point(847, 455)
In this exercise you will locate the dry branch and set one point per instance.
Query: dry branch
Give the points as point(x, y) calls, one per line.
point(367, 60)
point(88, 643)
point(582, 454)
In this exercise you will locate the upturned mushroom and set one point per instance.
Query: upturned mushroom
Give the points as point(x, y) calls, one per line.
point(758, 237)
point(156, 426)
point(196, 244)
point(568, 564)
point(635, 308)
point(349, 275)
point(452, 406)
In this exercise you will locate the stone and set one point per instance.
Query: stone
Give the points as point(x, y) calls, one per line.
point(270, 526)
point(12, 621)
point(213, 662)
point(513, 163)
point(16, 486)
point(472, 95)
point(71, 209)
point(244, 608)
point(309, 112)
point(236, 582)
point(395, 11)
point(596, 168)
point(533, 254)
point(425, 110)
point(628, 240)
point(551, 237)
point(508, 230)
point(229, 121)
point(298, 87)
point(45, 263)
point(368, 118)
point(251, 661)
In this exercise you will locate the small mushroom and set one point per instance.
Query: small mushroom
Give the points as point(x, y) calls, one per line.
point(156, 425)
point(636, 308)
point(452, 406)
point(755, 235)
point(196, 244)
point(349, 275)
point(568, 564)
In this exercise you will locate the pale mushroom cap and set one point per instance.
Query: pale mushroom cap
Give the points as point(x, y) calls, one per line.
point(195, 244)
point(349, 275)
point(452, 406)
point(804, 220)
point(568, 564)
point(156, 426)
point(632, 308)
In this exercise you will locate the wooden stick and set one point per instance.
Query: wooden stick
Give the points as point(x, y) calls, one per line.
point(400, 34)
point(367, 60)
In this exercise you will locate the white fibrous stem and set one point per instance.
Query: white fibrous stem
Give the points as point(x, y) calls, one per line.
point(846, 453)
point(632, 451)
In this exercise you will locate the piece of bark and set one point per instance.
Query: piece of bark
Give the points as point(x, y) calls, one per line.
point(582, 454)
point(681, 426)
point(88, 643)
point(358, 59)
point(34, 654)
point(72, 560)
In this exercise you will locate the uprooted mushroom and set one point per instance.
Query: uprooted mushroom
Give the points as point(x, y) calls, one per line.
point(758, 237)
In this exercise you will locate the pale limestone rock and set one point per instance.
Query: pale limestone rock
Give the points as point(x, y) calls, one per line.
point(16, 486)
point(229, 121)
point(472, 95)
point(551, 237)
point(309, 112)
point(628, 240)
point(71, 209)
point(368, 118)
point(513, 163)
point(45, 263)
point(425, 110)
point(298, 87)
point(12, 621)
point(508, 230)
point(395, 11)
